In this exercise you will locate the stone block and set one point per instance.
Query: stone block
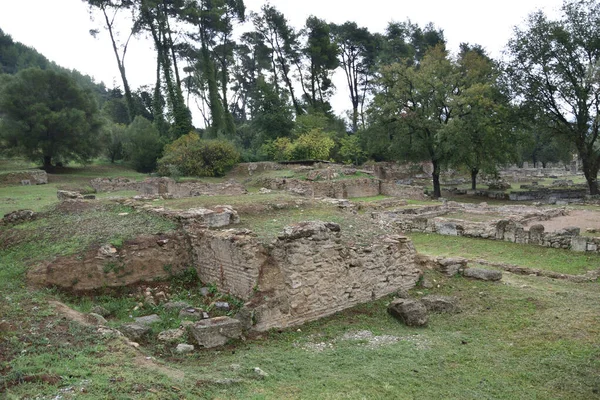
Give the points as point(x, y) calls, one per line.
point(410, 312)
point(135, 331)
point(579, 243)
point(440, 304)
point(147, 320)
point(214, 332)
point(483, 274)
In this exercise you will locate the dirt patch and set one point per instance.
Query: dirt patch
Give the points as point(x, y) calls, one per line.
point(583, 219)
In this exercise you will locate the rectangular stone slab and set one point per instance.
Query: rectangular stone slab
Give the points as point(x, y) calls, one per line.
point(214, 332)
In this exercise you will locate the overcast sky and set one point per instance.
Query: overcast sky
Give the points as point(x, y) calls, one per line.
point(59, 29)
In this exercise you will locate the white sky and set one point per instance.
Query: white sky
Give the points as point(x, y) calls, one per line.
point(59, 29)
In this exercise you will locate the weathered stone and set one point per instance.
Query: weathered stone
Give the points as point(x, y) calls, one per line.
point(569, 231)
point(135, 331)
point(204, 291)
point(147, 319)
point(483, 274)
point(218, 217)
point(214, 332)
point(222, 306)
point(260, 374)
point(183, 348)
point(410, 312)
point(68, 195)
point(100, 311)
point(175, 306)
point(35, 177)
point(19, 216)
point(440, 304)
point(451, 266)
point(171, 335)
point(96, 319)
point(316, 229)
point(191, 313)
point(579, 243)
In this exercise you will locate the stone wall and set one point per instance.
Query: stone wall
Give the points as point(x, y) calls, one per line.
point(167, 187)
point(345, 188)
point(30, 177)
point(509, 225)
point(311, 274)
point(305, 274)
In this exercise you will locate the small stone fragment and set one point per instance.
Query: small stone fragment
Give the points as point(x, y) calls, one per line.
point(183, 348)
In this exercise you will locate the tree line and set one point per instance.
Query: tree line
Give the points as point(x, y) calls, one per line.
point(267, 91)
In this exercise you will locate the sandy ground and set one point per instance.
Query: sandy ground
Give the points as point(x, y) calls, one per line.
point(583, 219)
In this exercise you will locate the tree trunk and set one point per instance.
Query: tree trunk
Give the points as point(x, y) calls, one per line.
point(437, 191)
point(591, 176)
point(47, 163)
point(474, 172)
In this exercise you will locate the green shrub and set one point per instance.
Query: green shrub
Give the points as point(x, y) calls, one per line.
point(313, 145)
point(193, 156)
point(143, 145)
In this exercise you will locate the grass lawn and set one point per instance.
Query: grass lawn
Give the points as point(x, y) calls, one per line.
point(558, 260)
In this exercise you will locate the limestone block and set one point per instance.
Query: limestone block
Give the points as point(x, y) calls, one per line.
point(135, 331)
point(483, 274)
point(214, 332)
point(410, 312)
point(147, 320)
point(68, 195)
point(579, 243)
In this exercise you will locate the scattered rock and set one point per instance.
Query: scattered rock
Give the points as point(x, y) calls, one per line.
point(214, 332)
point(147, 320)
point(440, 304)
point(222, 306)
point(260, 374)
point(173, 306)
point(483, 274)
point(410, 312)
point(204, 291)
point(68, 195)
point(451, 266)
point(171, 335)
point(96, 319)
point(191, 313)
point(135, 331)
point(100, 311)
point(183, 348)
point(264, 191)
point(19, 216)
point(427, 284)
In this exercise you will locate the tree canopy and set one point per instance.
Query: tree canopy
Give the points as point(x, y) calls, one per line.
point(46, 116)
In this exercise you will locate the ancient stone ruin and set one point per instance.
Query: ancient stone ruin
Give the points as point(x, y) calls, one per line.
point(509, 223)
point(28, 177)
point(304, 274)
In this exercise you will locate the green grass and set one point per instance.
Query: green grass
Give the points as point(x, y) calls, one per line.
point(557, 260)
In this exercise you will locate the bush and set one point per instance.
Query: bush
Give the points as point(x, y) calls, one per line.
point(193, 156)
point(143, 145)
point(313, 145)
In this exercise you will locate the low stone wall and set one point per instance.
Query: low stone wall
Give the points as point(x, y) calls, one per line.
point(29, 177)
point(508, 226)
point(548, 194)
point(167, 187)
point(346, 188)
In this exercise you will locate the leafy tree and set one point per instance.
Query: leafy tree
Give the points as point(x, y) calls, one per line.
point(143, 145)
point(481, 137)
point(275, 31)
point(554, 66)
point(110, 10)
point(46, 116)
point(351, 150)
point(272, 116)
point(357, 57)
point(321, 52)
point(415, 107)
point(193, 156)
point(113, 138)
